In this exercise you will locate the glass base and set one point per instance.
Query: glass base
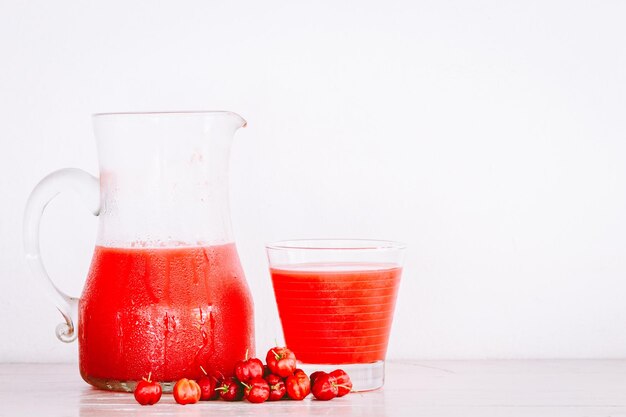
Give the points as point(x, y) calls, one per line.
point(364, 376)
point(122, 386)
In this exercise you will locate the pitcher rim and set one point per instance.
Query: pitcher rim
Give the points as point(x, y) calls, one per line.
point(169, 113)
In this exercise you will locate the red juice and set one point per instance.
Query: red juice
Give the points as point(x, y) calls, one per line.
point(337, 313)
point(163, 310)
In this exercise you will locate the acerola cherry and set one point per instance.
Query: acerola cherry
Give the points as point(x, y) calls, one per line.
point(230, 390)
point(281, 361)
point(256, 390)
point(249, 369)
point(148, 392)
point(299, 371)
point(314, 376)
point(298, 385)
point(207, 384)
point(186, 391)
point(325, 387)
point(344, 384)
point(277, 387)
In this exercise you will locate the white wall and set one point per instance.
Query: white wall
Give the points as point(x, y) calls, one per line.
point(488, 135)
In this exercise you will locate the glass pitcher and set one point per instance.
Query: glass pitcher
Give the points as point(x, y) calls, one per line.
point(165, 292)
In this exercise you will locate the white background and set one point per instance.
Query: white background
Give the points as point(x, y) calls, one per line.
point(487, 135)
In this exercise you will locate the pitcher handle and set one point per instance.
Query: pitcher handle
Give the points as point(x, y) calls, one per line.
point(88, 187)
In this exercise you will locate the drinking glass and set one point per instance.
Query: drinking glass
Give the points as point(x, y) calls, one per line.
point(336, 299)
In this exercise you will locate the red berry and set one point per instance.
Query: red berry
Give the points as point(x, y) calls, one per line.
point(256, 390)
point(325, 387)
point(314, 376)
point(148, 392)
point(281, 361)
point(230, 390)
point(207, 384)
point(277, 387)
point(186, 391)
point(298, 385)
point(249, 369)
point(218, 377)
point(207, 388)
point(344, 384)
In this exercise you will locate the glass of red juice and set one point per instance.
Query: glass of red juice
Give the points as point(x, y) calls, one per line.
point(336, 299)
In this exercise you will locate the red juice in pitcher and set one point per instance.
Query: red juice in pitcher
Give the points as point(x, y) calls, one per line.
point(337, 313)
point(163, 310)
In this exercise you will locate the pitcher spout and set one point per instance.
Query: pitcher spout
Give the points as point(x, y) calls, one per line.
point(238, 120)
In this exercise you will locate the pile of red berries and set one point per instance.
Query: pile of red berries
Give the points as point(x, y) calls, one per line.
point(254, 382)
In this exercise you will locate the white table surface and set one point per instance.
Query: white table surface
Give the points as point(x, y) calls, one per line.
point(415, 388)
